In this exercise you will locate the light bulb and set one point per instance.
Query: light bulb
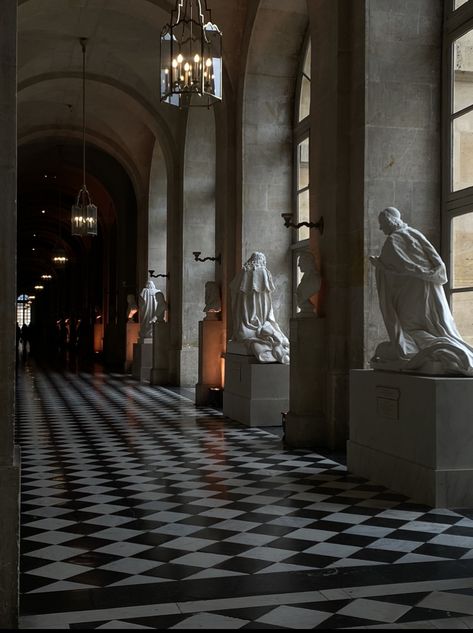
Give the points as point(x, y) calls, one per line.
point(197, 58)
point(174, 63)
point(180, 58)
point(186, 67)
point(166, 71)
point(208, 62)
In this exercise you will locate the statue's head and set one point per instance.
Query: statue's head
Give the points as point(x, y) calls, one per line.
point(306, 262)
point(390, 220)
point(150, 284)
point(257, 260)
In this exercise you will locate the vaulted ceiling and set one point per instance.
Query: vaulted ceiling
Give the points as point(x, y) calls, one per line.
point(124, 114)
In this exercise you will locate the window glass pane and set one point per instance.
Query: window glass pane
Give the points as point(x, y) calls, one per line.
point(303, 214)
point(458, 3)
point(462, 306)
point(307, 61)
point(304, 104)
point(303, 164)
point(463, 72)
point(462, 251)
point(463, 152)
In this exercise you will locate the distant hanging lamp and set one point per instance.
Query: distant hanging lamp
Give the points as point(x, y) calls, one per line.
point(84, 213)
point(191, 57)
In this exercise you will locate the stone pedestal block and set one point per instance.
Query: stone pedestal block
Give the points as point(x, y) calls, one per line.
point(160, 370)
point(255, 393)
point(211, 342)
point(132, 332)
point(414, 435)
point(142, 359)
point(305, 425)
point(98, 338)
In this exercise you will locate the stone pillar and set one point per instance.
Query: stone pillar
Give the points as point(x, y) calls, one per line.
point(306, 424)
point(9, 458)
point(142, 359)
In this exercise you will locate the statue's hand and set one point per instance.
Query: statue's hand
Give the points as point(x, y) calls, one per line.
point(374, 260)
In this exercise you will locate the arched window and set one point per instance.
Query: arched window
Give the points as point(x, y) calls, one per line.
point(301, 158)
point(458, 162)
point(23, 310)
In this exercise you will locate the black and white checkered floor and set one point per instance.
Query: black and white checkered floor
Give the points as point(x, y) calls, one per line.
point(140, 510)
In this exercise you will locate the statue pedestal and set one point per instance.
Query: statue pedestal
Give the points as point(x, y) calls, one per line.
point(211, 345)
point(159, 374)
point(142, 359)
point(413, 434)
point(255, 393)
point(305, 425)
point(132, 332)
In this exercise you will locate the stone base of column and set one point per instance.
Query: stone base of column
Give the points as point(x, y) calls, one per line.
point(132, 332)
point(304, 431)
point(142, 360)
point(9, 543)
point(305, 424)
point(159, 374)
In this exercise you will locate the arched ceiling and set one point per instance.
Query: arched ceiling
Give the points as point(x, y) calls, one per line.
point(124, 116)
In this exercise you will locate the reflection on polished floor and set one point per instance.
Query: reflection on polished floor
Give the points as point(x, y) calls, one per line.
point(140, 510)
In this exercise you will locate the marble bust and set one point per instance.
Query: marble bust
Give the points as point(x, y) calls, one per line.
point(213, 302)
point(308, 286)
point(161, 307)
point(254, 322)
point(423, 337)
point(147, 309)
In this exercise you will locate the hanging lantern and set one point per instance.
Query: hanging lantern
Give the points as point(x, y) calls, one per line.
point(59, 257)
point(191, 57)
point(84, 213)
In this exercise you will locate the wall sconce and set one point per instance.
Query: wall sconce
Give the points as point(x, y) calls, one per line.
point(288, 223)
point(206, 259)
point(151, 274)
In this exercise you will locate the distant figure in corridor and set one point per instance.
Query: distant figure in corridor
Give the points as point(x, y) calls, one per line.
point(410, 274)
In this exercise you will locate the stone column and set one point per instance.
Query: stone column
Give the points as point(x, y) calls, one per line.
point(9, 458)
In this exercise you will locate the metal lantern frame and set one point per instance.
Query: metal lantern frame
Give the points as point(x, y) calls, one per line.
point(84, 212)
point(191, 57)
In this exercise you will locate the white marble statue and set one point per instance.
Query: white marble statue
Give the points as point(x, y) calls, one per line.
point(147, 304)
point(309, 284)
point(410, 274)
point(213, 302)
point(254, 323)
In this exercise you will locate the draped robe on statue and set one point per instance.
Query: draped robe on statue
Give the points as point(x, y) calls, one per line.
point(423, 336)
point(147, 309)
point(252, 308)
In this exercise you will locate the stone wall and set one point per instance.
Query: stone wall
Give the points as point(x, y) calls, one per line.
point(9, 467)
point(402, 150)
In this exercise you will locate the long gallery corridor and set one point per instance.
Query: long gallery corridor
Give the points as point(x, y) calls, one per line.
point(140, 510)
